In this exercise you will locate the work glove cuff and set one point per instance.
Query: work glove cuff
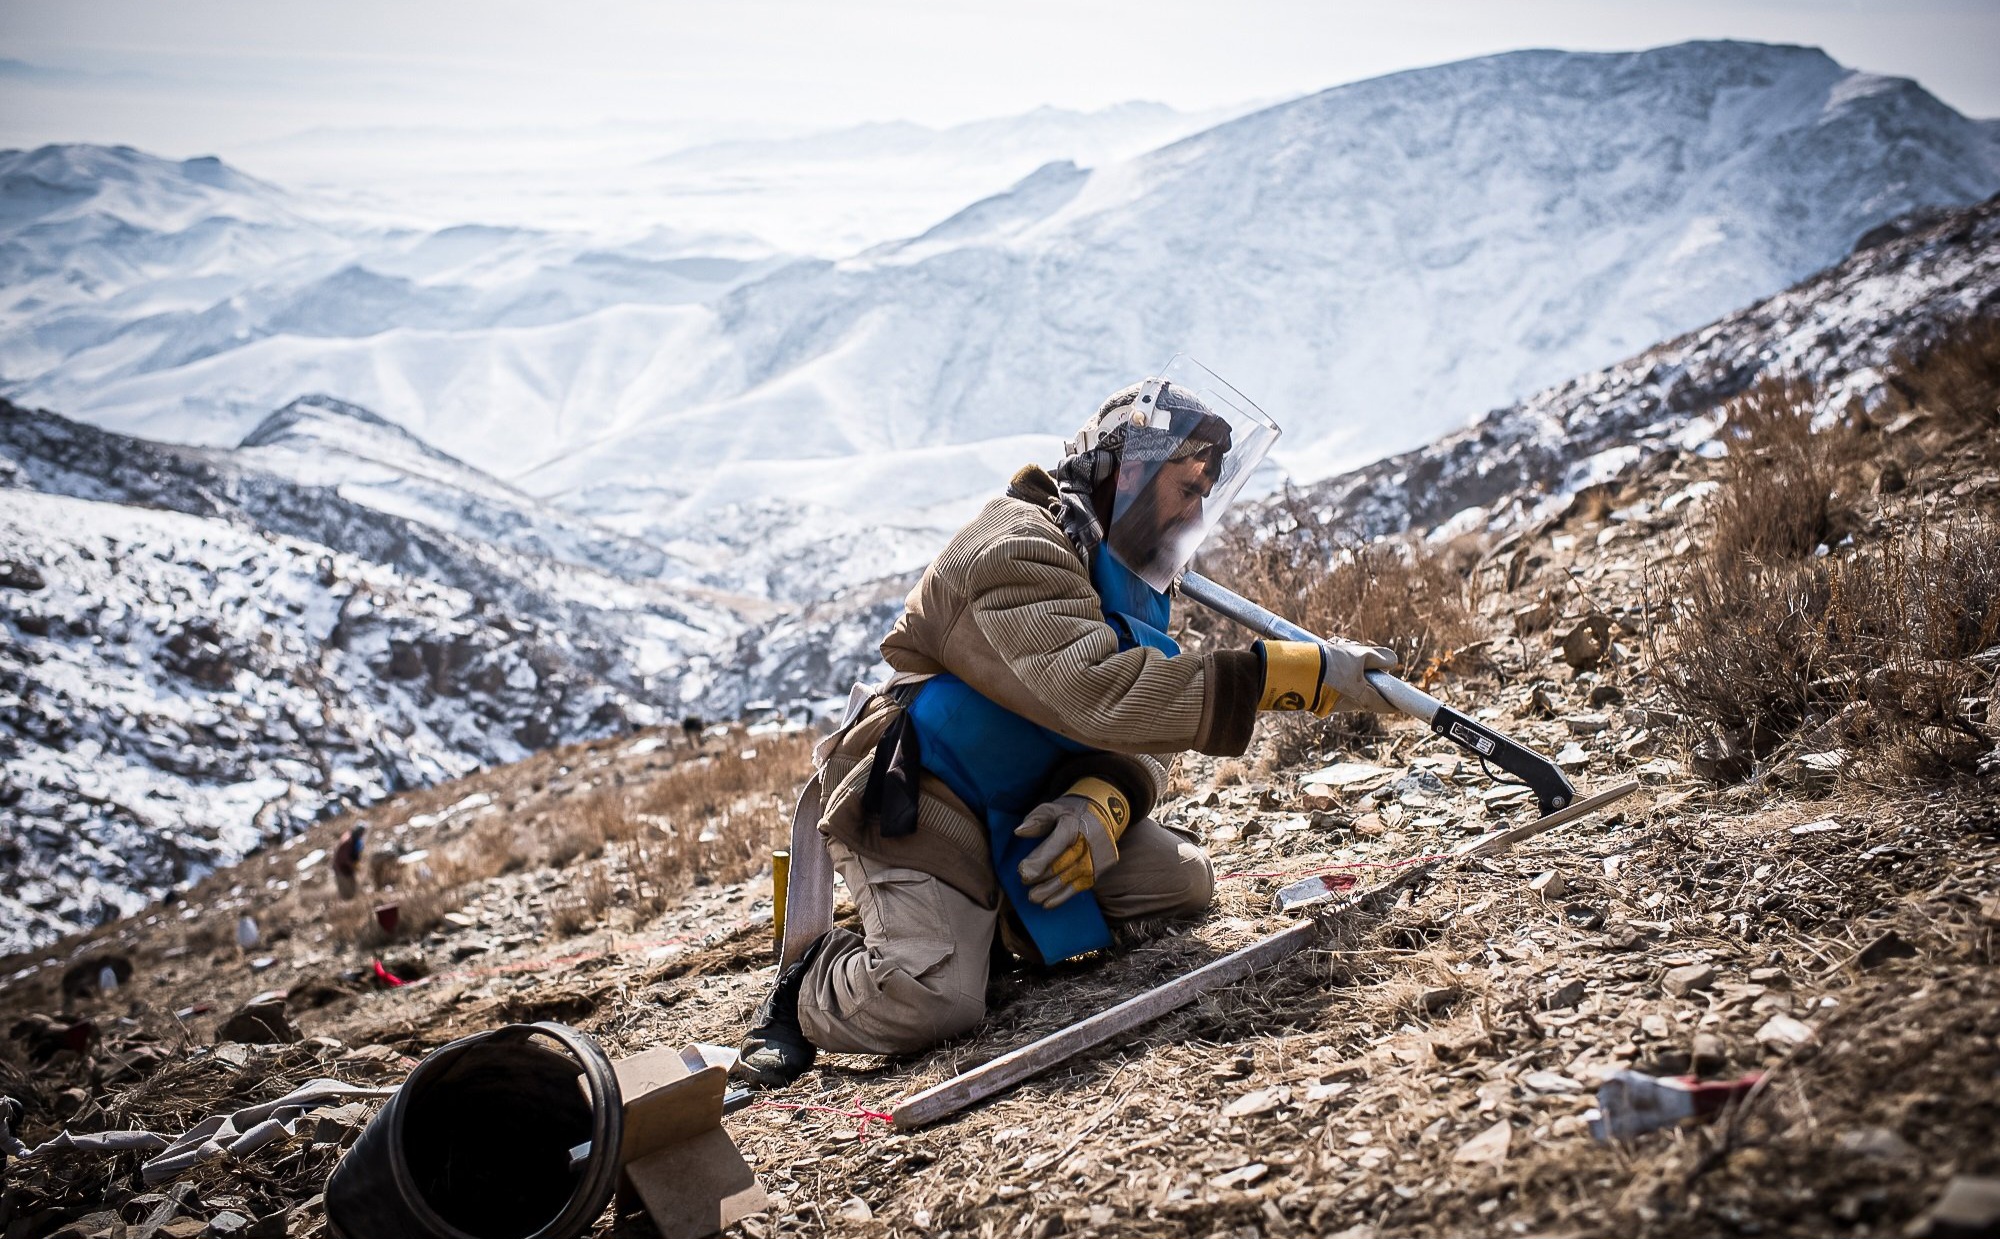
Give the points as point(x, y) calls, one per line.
point(1294, 677)
point(1109, 804)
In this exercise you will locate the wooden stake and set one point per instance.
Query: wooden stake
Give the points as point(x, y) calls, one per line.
point(1004, 1072)
point(781, 873)
point(1038, 1056)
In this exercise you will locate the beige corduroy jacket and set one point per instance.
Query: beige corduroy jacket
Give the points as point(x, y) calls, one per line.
point(1009, 608)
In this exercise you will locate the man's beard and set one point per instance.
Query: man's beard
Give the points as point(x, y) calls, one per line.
point(1144, 553)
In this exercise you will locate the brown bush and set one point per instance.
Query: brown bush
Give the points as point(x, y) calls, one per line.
point(705, 786)
point(1865, 652)
point(582, 902)
point(1409, 594)
point(1957, 379)
point(418, 911)
point(1781, 481)
point(1902, 624)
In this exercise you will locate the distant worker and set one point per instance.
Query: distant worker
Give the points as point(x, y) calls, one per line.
point(691, 729)
point(347, 860)
point(1001, 782)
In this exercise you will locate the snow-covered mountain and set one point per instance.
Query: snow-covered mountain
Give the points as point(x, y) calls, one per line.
point(1378, 264)
point(201, 649)
point(178, 689)
point(1907, 284)
point(117, 267)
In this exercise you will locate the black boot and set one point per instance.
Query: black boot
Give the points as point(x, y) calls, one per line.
point(776, 1052)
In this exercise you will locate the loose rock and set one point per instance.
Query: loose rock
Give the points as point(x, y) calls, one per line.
point(1969, 1209)
point(1488, 1146)
point(1584, 645)
point(261, 1021)
point(1680, 982)
point(1782, 1032)
point(1891, 945)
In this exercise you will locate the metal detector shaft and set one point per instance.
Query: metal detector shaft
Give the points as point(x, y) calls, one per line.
point(1407, 698)
point(1552, 790)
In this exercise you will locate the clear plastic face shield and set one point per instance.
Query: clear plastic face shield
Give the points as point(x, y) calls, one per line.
point(1191, 441)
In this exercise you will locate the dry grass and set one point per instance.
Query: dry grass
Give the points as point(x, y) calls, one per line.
point(1781, 483)
point(1866, 655)
point(1787, 633)
point(712, 819)
point(1957, 378)
point(1409, 594)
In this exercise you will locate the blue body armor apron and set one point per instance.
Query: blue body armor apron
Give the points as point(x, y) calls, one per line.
point(999, 763)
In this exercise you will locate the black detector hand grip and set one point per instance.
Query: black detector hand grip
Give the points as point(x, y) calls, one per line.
point(1540, 774)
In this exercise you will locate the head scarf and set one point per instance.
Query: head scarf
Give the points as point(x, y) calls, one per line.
point(1192, 429)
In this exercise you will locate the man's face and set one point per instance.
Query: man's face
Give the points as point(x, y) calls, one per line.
point(1162, 511)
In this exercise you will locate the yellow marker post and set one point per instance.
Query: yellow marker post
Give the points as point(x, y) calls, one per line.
point(781, 873)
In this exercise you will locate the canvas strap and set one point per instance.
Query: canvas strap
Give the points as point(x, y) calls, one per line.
point(809, 886)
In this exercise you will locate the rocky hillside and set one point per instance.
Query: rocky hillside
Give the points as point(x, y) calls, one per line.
point(203, 655)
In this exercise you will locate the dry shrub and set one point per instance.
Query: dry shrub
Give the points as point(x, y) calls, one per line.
point(582, 902)
point(1957, 379)
point(1865, 652)
point(1295, 738)
point(1902, 624)
point(714, 818)
point(1780, 480)
point(1743, 659)
point(584, 833)
point(707, 785)
point(1867, 649)
point(1409, 594)
point(418, 911)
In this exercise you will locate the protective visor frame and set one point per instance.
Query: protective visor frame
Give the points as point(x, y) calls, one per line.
point(1252, 432)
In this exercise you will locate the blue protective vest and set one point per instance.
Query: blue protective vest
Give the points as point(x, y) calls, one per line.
point(998, 763)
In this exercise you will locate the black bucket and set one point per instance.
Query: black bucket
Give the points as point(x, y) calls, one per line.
point(509, 1134)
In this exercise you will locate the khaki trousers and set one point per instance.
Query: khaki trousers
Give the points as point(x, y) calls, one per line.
point(916, 974)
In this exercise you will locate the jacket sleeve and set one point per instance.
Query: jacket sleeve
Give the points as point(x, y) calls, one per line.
point(1032, 637)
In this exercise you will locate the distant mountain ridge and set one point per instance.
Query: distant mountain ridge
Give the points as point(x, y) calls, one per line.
point(1914, 280)
point(1377, 264)
point(300, 413)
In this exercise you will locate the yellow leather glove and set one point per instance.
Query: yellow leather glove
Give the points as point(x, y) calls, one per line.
point(1080, 829)
point(1323, 676)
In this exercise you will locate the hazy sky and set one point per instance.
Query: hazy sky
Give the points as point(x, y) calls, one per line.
point(184, 77)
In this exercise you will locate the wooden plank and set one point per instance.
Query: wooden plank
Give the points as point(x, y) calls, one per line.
point(1036, 1057)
